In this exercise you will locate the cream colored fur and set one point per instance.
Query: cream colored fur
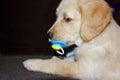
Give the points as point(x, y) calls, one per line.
point(88, 24)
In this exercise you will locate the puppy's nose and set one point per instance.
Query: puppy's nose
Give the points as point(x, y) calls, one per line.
point(50, 35)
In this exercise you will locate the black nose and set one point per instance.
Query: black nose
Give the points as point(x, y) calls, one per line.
point(50, 35)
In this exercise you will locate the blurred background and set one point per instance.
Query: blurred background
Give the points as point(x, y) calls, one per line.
point(25, 23)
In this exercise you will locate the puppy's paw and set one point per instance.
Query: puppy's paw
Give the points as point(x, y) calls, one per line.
point(32, 64)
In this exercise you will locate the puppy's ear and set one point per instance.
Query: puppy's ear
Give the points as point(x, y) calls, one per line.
point(95, 18)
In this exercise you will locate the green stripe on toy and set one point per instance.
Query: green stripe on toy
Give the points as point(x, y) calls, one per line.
point(55, 47)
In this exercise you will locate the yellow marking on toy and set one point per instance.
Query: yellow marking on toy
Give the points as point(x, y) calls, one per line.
point(55, 47)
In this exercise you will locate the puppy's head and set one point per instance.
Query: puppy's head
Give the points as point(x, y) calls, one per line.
point(80, 20)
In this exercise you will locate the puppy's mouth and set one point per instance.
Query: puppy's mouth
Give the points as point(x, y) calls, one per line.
point(62, 49)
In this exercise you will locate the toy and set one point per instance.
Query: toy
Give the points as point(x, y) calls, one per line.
point(61, 49)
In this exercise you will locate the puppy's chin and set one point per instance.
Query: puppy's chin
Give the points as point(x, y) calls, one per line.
point(78, 42)
point(70, 42)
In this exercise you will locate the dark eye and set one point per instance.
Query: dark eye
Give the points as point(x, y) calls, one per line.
point(66, 19)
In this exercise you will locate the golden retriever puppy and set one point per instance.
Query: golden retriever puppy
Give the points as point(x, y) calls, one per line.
point(89, 25)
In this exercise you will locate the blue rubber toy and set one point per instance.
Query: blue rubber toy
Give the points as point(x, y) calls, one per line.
point(62, 48)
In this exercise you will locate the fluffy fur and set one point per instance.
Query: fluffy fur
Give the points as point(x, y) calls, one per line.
point(88, 24)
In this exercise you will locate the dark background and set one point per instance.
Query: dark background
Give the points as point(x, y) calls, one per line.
point(25, 23)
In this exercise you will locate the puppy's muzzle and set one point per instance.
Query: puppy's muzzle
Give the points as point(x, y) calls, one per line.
point(50, 35)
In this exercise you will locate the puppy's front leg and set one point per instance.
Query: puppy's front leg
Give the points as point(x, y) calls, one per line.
point(54, 66)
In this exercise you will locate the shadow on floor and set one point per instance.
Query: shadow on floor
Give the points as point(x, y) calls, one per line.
point(11, 68)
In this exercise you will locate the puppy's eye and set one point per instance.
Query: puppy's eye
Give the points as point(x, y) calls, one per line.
point(66, 19)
